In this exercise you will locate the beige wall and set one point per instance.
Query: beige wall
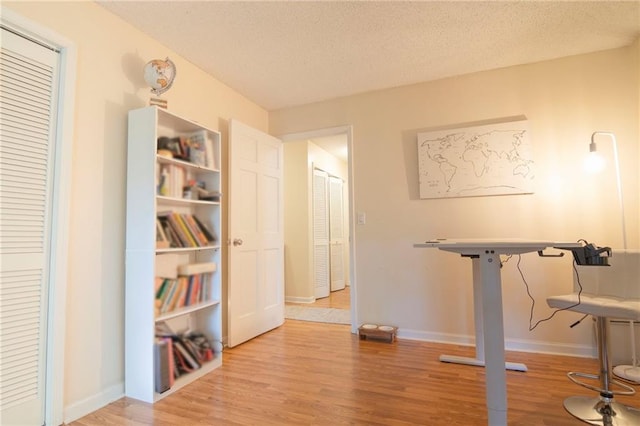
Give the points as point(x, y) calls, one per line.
point(298, 272)
point(427, 293)
point(111, 56)
point(300, 157)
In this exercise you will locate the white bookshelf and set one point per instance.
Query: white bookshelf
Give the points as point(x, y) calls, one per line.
point(144, 261)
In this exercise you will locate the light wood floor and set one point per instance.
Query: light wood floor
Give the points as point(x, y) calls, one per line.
point(306, 373)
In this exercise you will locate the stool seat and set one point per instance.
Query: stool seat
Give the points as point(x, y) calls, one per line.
point(598, 306)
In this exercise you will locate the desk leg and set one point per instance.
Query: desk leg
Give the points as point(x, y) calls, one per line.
point(478, 361)
point(496, 377)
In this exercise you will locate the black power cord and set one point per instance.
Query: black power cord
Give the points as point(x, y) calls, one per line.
point(533, 301)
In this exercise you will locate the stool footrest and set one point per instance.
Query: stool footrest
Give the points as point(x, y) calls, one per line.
point(628, 389)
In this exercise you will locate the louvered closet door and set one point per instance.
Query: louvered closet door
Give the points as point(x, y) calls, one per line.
point(320, 234)
point(27, 98)
point(336, 232)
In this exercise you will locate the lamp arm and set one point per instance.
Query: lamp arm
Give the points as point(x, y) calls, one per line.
point(592, 147)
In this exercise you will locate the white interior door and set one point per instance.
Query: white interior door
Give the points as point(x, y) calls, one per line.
point(28, 78)
point(336, 232)
point(256, 236)
point(321, 261)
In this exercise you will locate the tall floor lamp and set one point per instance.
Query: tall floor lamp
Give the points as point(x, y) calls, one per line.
point(628, 372)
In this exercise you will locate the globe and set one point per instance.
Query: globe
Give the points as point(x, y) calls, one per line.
point(159, 75)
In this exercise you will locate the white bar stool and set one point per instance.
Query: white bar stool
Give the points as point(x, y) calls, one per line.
point(607, 292)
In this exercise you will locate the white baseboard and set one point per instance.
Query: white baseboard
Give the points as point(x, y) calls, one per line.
point(453, 339)
point(294, 299)
point(583, 351)
point(89, 405)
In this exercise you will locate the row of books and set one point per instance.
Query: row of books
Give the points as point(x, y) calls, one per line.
point(171, 180)
point(201, 150)
point(182, 230)
point(176, 355)
point(176, 293)
point(196, 148)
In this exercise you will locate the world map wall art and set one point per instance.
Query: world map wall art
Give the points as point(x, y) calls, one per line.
point(493, 159)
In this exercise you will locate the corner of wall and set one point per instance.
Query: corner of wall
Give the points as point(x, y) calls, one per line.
point(88, 405)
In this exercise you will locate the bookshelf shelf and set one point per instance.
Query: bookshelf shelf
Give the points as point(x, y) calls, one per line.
point(185, 311)
point(147, 172)
point(172, 201)
point(183, 381)
point(185, 249)
point(165, 160)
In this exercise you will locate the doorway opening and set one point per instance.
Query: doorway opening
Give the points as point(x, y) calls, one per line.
point(319, 244)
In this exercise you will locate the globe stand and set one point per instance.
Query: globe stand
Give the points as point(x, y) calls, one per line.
point(162, 103)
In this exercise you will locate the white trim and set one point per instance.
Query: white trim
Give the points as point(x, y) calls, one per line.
point(295, 299)
point(54, 397)
point(319, 133)
point(348, 131)
point(517, 345)
point(86, 406)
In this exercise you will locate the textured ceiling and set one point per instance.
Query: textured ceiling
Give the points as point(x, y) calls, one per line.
point(281, 54)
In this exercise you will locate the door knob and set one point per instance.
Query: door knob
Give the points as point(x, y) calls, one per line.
point(237, 242)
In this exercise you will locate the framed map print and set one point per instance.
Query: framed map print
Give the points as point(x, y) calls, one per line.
point(492, 159)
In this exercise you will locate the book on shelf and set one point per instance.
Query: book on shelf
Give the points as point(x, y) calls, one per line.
point(168, 295)
point(178, 354)
point(161, 294)
point(184, 230)
point(159, 281)
point(178, 296)
point(210, 154)
point(195, 289)
point(185, 353)
point(161, 237)
point(205, 153)
point(178, 233)
point(192, 286)
point(196, 147)
point(171, 180)
point(192, 241)
point(211, 238)
point(195, 230)
point(162, 359)
point(170, 233)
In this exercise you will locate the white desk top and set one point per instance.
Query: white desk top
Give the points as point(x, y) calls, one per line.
point(502, 246)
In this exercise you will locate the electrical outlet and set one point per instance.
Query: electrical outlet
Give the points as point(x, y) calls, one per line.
point(362, 218)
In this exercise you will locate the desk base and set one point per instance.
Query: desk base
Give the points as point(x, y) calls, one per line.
point(515, 366)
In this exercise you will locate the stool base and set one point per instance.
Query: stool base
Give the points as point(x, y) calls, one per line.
point(593, 411)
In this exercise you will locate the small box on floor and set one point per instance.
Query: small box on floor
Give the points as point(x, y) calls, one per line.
point(377, 332)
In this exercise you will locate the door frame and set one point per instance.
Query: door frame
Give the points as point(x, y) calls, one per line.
point(60, 211)
point(348, 132)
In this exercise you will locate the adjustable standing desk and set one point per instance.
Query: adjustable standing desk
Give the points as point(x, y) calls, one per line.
point(487, 306)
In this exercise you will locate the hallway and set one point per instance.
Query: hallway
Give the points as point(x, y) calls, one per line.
point(336, 308)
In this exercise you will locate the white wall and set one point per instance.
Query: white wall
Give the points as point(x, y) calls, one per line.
point(428, 293)
point(111, 56)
